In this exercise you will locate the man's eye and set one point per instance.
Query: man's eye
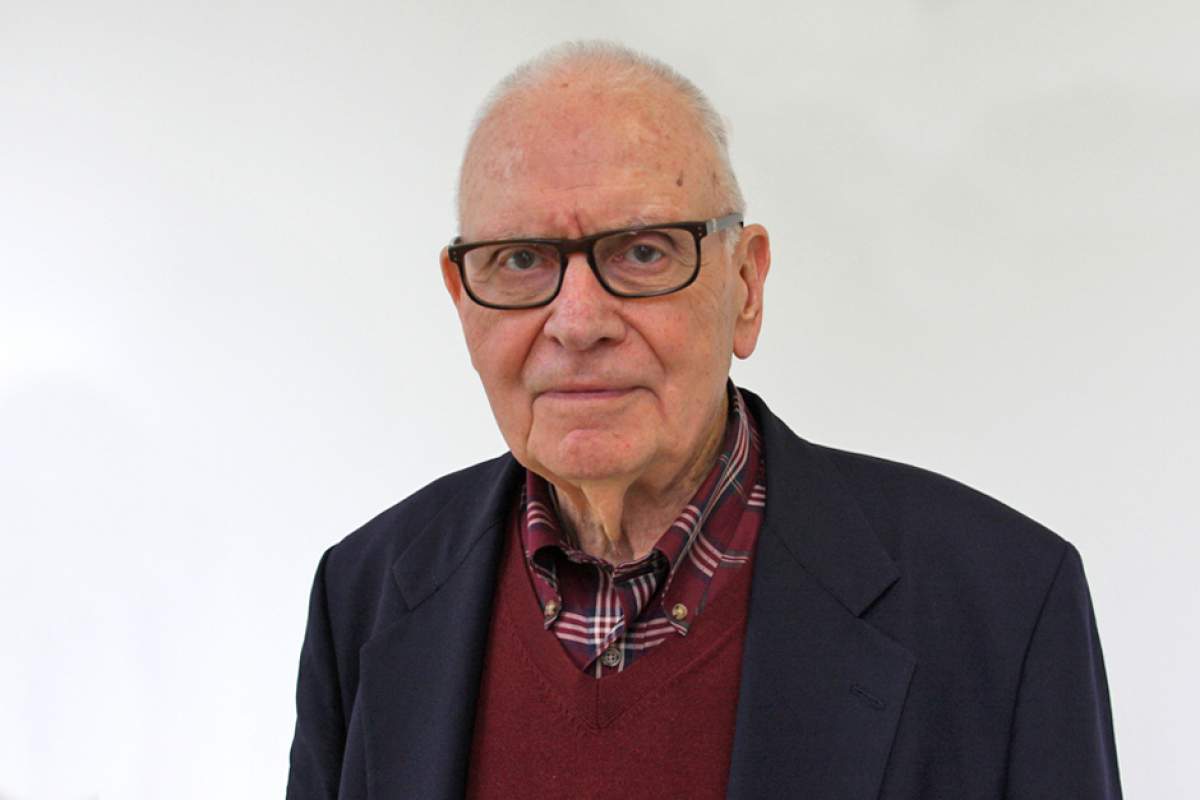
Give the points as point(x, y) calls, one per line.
point(520, 260)
point(643, 254)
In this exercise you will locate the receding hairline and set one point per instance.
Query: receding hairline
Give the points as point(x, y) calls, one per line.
point(613, 65)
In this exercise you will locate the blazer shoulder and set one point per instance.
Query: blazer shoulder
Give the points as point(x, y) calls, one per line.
point(355, 591)
point(926, 518)
point(974, 573)
point(385, 537)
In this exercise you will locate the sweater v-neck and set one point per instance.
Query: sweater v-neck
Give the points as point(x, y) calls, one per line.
point(595, 702)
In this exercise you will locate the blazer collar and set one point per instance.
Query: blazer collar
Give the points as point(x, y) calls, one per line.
point(817, 518)
point(847, 558)
point(442, 546)
point(821, 688)
point(419, 674)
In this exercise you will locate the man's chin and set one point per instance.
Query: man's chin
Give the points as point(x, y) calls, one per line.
point(591, 455)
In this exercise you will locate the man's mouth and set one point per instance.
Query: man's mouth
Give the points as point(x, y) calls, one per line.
point(586, 391)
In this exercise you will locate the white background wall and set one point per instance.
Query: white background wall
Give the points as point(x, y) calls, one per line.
point(224, 342)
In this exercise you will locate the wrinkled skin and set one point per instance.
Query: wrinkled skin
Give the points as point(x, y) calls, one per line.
point(620, 403)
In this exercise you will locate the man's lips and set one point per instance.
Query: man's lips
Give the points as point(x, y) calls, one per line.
point(586, 392)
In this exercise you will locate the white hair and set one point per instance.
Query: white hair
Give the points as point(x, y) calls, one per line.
point(620, 65)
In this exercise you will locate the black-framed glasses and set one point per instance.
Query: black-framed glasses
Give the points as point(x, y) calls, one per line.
point(645, 261)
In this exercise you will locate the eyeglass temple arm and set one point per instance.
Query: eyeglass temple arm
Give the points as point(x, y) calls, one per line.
point(721, 223)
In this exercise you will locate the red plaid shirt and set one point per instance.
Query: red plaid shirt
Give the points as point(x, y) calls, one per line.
point(606, 616)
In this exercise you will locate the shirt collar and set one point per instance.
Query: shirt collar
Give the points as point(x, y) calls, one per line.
point(727, 487)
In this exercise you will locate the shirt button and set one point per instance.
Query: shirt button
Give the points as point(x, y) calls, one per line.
point(551, 609)
point(679, 612)
point(611, 657)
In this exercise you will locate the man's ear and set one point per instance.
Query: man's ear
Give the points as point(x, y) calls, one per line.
point(451, 276)
point(752, 258)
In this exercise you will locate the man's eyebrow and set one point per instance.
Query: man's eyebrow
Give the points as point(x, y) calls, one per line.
point(634, 221)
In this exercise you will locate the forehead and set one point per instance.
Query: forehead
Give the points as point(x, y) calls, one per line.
point(571, 157)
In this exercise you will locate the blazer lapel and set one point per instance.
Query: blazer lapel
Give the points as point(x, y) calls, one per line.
point(419, 677)
point(821, 689)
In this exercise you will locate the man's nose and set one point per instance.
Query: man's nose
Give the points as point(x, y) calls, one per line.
point(583, 314)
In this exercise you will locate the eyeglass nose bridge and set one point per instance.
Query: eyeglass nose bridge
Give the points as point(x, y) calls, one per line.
point(586, 247)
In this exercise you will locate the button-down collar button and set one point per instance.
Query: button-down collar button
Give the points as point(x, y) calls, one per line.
point(550, 611)
point(679, 612)
point(611, 656)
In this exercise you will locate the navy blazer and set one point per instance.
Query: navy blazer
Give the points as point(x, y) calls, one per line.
point(908, 637)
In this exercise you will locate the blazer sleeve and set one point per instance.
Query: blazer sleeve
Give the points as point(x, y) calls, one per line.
point(1062, 735)
point(319, 741)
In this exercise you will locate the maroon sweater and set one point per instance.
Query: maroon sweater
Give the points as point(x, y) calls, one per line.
point(662, 728)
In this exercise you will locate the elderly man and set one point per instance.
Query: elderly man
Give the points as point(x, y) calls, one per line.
point(661, 591)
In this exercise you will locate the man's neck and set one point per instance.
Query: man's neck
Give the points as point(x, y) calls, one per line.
point(621, 520)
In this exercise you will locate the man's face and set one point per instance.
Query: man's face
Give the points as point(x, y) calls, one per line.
point(594, 387)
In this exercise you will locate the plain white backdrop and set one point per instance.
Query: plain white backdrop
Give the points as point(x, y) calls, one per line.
point(224, 343)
